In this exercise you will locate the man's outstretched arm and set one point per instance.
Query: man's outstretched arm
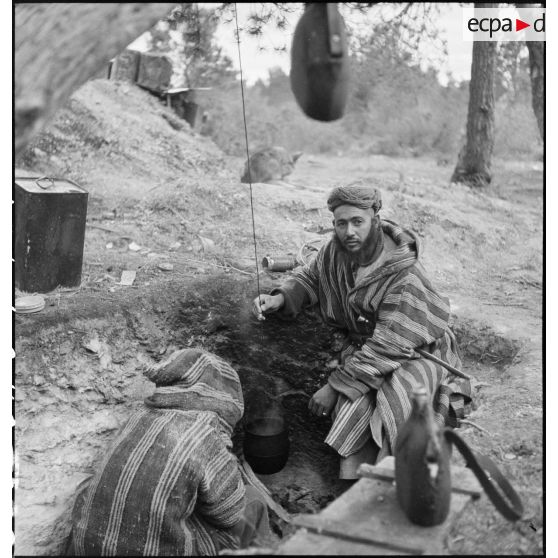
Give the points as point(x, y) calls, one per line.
point(300, 290)
point(297, 292)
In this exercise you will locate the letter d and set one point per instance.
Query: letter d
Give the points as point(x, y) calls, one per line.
point(538, 26)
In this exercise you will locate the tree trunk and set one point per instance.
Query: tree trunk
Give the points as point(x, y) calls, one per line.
point(59, 46)
point(474, 161)
point(536, 68)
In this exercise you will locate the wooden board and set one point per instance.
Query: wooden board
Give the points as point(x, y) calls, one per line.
point(368, 516)
point(463, 481)
point(304, 543)
point(154, 71)
point(369, 511)
point(125, 66)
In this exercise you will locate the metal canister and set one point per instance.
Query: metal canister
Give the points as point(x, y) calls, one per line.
point(281, 263)
point(422, 465)
point(50, 216)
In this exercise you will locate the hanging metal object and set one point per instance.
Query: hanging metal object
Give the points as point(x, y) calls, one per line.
point(319, 62)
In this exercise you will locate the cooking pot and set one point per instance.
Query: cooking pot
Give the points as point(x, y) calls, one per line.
point(266, 444)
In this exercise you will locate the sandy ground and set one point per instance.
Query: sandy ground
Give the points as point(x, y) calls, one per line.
point(156, 186)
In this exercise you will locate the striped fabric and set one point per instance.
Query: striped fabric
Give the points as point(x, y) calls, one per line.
point(169, 486)
point(193, 379)
point(389, 313)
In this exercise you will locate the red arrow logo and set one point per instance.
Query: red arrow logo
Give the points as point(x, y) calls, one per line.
point(519, 25)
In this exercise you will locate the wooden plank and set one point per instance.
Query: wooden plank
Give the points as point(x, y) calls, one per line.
point(154, 71)
point(125, 66)
point(463, 481)
point(304, 543)
point(338, 530)
point(368, 516)
point(370, 509)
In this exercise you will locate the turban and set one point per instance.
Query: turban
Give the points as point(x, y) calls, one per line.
point(196, 380)
point(358, 194)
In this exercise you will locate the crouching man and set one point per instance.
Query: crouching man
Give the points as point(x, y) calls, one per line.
point(367, 283)
point(169, 485)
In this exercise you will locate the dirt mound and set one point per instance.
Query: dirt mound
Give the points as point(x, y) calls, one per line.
point(116, 139)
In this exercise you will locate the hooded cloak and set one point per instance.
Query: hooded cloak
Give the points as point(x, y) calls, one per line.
point(169, 485)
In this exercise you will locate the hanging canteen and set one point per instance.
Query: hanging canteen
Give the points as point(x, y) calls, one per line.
point(319, 62)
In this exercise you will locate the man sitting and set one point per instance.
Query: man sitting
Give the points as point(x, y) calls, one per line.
point(368, 283)
point(169, 485)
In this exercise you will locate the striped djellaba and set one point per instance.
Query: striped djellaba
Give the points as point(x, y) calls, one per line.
point(385, 315)
point(169, 486)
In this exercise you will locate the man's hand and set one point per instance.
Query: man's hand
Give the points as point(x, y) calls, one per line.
point(265, 304)
point(323, 401)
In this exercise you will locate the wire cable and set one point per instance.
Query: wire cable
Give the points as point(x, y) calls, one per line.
point(247, 151)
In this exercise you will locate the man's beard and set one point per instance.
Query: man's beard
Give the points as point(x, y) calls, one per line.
point(371, 247)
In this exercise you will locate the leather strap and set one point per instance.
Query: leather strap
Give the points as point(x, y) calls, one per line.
point(500, 492)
